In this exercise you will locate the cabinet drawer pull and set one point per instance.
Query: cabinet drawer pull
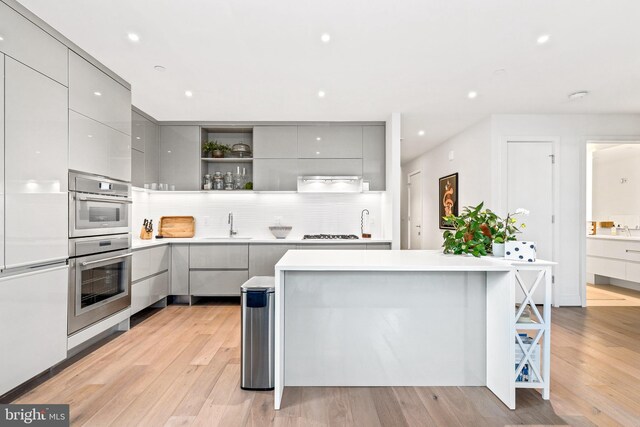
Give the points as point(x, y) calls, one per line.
point(633, 251)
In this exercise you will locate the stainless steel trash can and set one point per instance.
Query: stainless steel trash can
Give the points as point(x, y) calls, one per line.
point(258, 317)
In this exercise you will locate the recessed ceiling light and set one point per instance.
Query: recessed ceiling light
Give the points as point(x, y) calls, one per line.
point(97, 93)
point(137, 137)
point(325, 38)
point(472, 94)
point(133, 37)
point(188, 93)
point(89, 136)
point(321, 94)
point(578, 95)
point(544, 38)
point(421, 132)
point(317, 152)
point(318, 139)
point(1, 38)
point(169, 151)
point(159, 68)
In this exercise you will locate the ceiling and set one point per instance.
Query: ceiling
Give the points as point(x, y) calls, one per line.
point(264, 60)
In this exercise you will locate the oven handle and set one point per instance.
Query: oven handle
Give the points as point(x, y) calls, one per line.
point(84, 264)
point(95, 199)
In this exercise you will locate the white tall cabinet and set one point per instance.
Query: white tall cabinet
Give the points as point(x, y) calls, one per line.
point(2, 265)
point(36, 144)
point(33, 324)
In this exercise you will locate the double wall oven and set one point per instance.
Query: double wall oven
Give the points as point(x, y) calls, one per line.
point(99, 249)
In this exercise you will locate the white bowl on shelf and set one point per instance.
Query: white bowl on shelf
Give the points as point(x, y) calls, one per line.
point(280, 231)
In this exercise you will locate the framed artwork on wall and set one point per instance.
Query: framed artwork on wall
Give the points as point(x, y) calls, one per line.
point(448, 199)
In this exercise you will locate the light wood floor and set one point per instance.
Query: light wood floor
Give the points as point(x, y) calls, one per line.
point(181, 366)
point(611, 296)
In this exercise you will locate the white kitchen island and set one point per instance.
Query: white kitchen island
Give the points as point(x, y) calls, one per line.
point(403, 318)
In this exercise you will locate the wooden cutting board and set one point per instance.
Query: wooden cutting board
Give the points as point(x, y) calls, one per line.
point(177, 226)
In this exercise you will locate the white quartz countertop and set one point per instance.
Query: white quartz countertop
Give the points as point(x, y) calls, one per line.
point(392, 260)
point(140, 244)
point(609, 237)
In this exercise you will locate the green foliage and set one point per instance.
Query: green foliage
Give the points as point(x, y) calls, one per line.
point(475, 229)
point(211, 146)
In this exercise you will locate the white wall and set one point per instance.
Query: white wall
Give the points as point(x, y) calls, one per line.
point(612, 199)
point(255, 212)
point(472, 162)
point(482, 169)
point(571, 134)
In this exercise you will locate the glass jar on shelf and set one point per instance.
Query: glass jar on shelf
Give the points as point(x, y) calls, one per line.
point(228, 181)
point(218, 181)
point(238, 180)
point(208, 182)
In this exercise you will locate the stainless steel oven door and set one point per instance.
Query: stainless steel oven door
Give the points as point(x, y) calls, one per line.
point(95, 214)
point(99, 286)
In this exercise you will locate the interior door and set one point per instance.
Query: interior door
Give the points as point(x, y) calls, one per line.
point(415, 211)
point(530, 186)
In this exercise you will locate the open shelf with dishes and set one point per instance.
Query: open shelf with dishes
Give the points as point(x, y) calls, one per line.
point(234, 171)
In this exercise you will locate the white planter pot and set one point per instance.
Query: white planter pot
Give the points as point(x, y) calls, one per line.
point(498, 249)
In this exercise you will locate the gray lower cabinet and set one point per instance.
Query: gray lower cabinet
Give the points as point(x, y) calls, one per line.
point(330, 142)
point(217, 282)
point(379, 246)
point(179, 269)
point(149, 261)
point(218, 256)
point(275, 142)
point(264, 257)
point(373, 157)
point(149, 291)
point(32, 46)
point(180, 157)
point(275, 174)
point(149, 276)
point(335, 167)
point(137, 168)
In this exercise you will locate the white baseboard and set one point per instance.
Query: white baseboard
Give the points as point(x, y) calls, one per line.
point(625, 284)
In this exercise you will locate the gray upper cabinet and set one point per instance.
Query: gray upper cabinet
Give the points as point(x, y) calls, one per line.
point(275, 142)
point(330, 142)
point(315, 167)
point(180, 156)
point(29, 44)
point(137, 168)
point(275, 174)
point(151, 152)
point(373, 157)
point(98, 149)
point(96, 95)
point(138, 127)
point(145, 150)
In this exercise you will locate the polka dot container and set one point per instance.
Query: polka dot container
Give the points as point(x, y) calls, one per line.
point(520, 251)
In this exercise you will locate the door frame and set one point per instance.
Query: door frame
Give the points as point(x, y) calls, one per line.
point(583, 200)
point(502, 197)
point(409, 175)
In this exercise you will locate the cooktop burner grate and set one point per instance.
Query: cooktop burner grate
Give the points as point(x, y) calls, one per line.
point(330, 236)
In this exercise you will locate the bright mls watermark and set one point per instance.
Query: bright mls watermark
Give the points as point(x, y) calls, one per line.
point(34, 415)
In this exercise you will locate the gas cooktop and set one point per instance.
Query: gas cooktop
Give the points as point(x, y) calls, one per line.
point(330, 236)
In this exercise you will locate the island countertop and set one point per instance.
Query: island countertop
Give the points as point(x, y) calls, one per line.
point(394, 260)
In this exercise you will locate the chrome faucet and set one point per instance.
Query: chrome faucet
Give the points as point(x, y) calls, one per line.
point(232, 232)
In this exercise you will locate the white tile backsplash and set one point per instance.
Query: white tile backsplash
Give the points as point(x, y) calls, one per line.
point(255, 212)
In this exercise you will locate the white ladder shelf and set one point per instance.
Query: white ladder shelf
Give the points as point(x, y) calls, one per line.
point(540, 326)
